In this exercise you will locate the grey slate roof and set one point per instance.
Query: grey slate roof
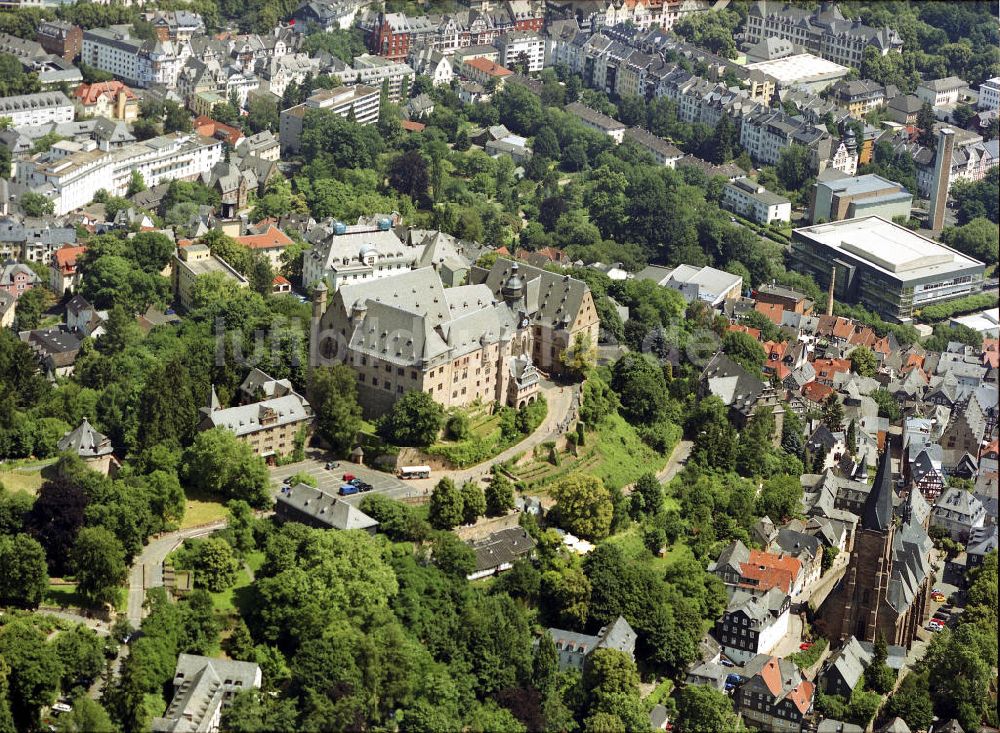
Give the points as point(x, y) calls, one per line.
point(550, 299)
point(502, 547)
point(201, 686)
point(85, 441)
point(325, 508)
point(850, 662)
point(593, 117)
point(877, 510)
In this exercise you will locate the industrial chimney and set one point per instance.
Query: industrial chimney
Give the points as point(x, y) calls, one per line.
point(833, 283)
point(942, 175)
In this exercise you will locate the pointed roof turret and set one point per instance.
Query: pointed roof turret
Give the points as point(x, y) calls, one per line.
point(877, 510)
point(85, 441)
point(213, 403)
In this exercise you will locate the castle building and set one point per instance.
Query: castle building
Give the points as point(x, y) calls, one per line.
point(886, 588)
point(480, 342)
point(270, 417)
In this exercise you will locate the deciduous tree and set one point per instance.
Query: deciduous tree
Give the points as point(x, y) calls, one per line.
point(99, 563)
point(584, 507)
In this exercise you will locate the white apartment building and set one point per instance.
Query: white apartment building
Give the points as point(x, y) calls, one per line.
point(362, 102)
point(521, 47)
point(751, 200)
point(989, 94)
point(374, 71)
point(71, 181)
point(36, 109)
point(136, 62)
point(941, 92)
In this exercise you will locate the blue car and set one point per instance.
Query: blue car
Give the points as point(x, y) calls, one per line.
point(348, 489)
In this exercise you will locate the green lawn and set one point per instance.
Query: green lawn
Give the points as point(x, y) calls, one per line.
point(24, 477)
point(624, 456)
point(631, 545)
point(201, 509)
point(237, 597)
point(64, 596)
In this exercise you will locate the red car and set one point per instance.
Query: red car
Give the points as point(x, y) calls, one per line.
point(348, 477)
point(805, 646)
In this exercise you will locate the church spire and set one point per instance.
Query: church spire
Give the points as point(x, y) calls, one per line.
point(877, 511)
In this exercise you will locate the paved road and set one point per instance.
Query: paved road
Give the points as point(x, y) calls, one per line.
point(331, 480)
point(678, 459)
point(150, 563)
point(562, 409)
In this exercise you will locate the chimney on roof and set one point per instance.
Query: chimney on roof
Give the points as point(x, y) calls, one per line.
point(942, 176)
point(833, 283)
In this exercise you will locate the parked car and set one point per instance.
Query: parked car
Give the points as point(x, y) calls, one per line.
point(934, 627)
point(938, 597)
point(726, 663)
point(330, 465)
point(348, 489)
point(348, 478)
point(61, 707)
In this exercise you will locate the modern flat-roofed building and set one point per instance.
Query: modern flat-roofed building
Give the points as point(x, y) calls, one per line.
point(72, 180)
point(520, 47)
point(851, 197)
point(884, 266)
point(802, 71)
point(360, 102)
point(989, 94)
point(696, 283)
point(748, 198)
point(373, 71)
point(192, 262)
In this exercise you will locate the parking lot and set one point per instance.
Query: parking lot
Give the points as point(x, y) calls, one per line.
point(331, 480)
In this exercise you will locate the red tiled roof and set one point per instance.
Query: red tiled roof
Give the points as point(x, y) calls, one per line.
point(740, 328)
point(213, 128)
point(816, 391)
point(280, 280)
point(773, 311)
point(270, 239)
point(88, 94)
point(991, 352)
point(827, 368)
point(770, 571)
point(802, 695)
point(412, 125)
point(771, 674)
point(65, 257)
point(488, 67)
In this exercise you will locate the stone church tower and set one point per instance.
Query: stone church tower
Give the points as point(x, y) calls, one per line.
point(886, 587)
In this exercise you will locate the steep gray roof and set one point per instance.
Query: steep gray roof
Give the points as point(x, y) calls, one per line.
point(910, 566)
point(877, 510)
point(850, 662)
point(201, 686)
point(549, 299)
point(619, 635)
point(502, 547)
point(246, 419)
point(325, 508)
point(85, 441)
